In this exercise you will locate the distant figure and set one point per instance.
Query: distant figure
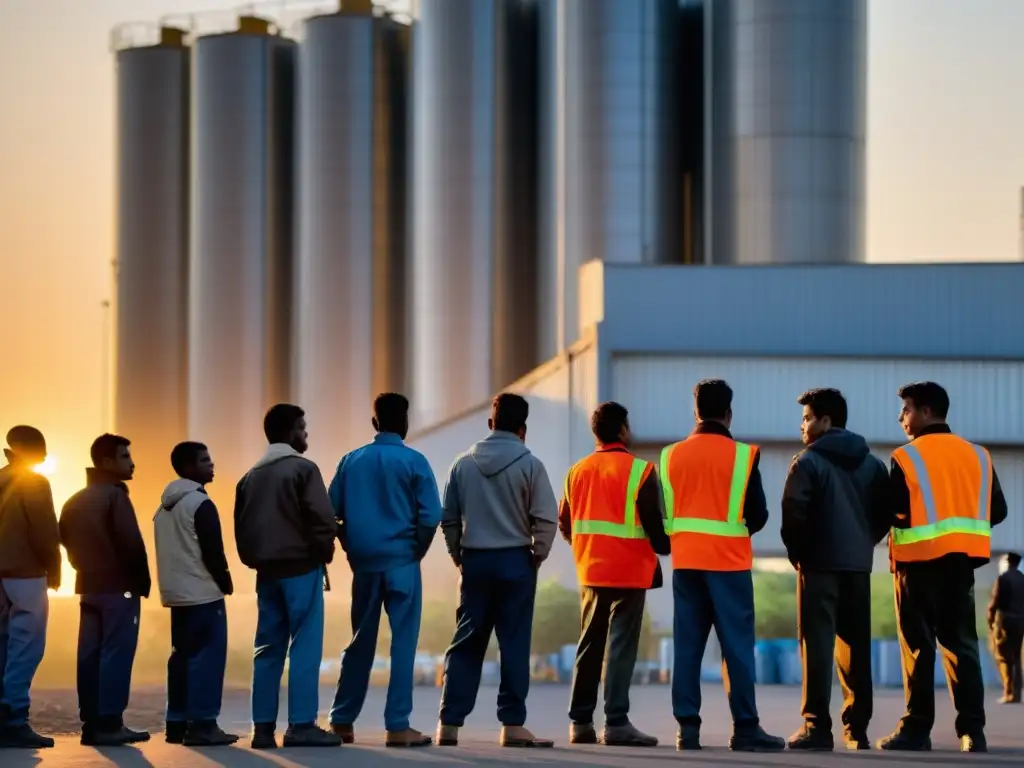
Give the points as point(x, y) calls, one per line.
point(835, 509)
point(101, 535)
point(714, 503)
point(1006, 624)
point(612, 516)
point(945, 498)
point(192, 572)
point(385, 498)
point(285, 531)
point(29, 563)
point(499, 521)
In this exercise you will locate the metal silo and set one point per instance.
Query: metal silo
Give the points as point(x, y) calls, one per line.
point(152, 246)
point(240, 281)
point(787, 112)
point(474, 246)
point(350, 296)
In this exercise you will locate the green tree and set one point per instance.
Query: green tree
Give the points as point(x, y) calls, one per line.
point(774, 605)
point(556, 617)
point(883, 607)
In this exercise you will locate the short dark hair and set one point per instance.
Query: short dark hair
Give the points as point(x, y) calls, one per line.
point(25, 438)
point(106, 446)
point(713, 398)
point(184, 456)
point(391, 410)
point(280, 421)
point(1012, 559)
point(509, 412)
point(927, 394)
point(607, 422)
point(826, 402)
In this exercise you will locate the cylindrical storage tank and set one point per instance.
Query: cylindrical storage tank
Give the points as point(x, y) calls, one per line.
point(350, 296)
point(787, 113)
point(240, 280)
point(152, 251)
point(474, 238)
point(690, 65)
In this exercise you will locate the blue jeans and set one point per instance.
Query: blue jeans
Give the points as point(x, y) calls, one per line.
point(496, 594)
point(195, 669)
point(108, 634)
point(24, 608)
point(398, 591)
point(724, 600)
point(290, 624)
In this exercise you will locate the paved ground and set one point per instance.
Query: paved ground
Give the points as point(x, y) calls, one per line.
point(779, 709)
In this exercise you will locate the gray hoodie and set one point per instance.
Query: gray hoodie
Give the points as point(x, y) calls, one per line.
point(498, 496)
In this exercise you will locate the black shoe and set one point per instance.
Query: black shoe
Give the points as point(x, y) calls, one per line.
point(174, 733)
point(582, 733)
point(263, 736)
point(974, 743)
point(134, 737)
point(688, 738)
point(208, 734)
point(310, 735)
point(756, 741)
point(811, 739)
point(856, 740)
point(901, 741)
point(626, 736)
point(105, 737)
point(22, 736)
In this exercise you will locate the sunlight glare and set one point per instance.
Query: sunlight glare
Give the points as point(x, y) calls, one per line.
point(48, 467)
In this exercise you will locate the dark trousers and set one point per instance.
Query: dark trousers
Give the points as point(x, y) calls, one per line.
point(723, 600)
point(195, 669)
point(108, 634)
point(935, 603)
point(496, 593)
point(834, 619)
point(611, 617)
point(1007, 638)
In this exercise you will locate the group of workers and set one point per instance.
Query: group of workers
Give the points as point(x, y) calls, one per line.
point(499, 516)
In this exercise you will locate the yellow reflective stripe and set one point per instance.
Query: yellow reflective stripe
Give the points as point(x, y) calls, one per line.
point(710, 527)
point(733, 526)
point(666, 485)
point(931, 531)
point(628, 529)
point(737, 490)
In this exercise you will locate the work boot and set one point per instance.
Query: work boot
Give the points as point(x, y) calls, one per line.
point(756, 740)
point(103, 736)
point(206, 733)
point(22, 736)
point(854, 740)
point(974, 742)
point(310, 735)
point(688, 738)
point(409, 737)
point(582, 733)
point(447, 735)
point(811, 739)
point(134, 737)
point(263, 736)
point(626, 736)
point(174, 733)
point(519, 736)
point(903, 741)
point(346, 732)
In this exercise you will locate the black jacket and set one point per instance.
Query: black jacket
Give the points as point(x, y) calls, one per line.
point(1007, 603)
point(835, 506)
point(29, 540)
point(101, 535)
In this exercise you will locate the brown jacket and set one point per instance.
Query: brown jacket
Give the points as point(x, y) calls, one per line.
point(29, 540)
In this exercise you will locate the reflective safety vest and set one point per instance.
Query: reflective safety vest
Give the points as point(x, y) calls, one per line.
point(609, 544)
point(950, 484)
point(704, 479)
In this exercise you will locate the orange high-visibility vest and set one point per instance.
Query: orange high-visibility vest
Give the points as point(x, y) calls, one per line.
point(704, 479)
point(609, 544)
point(950, 484)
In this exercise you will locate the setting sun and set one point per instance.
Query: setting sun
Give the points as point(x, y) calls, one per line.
point(48, 466)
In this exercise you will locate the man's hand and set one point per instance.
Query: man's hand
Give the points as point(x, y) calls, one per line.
point(537, 562)
point(53, 580)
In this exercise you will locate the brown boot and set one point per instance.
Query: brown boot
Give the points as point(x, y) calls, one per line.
point(410, 737)
point(347, 732)
point(518, 736)
point(447, 735)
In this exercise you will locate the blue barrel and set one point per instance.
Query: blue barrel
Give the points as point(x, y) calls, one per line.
point(989, 669)
point(790, 669)
point(940, 671)
point(890, 671)
point(766, 667)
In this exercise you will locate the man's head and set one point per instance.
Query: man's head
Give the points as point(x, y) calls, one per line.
point(610, 424)
point(508, 414)
point(26, 445)
point(286, 423)
point(924, 403)
point(391, 414)
point(824, 409)
point(712, 401)
point(110, 453)
point(192, 461)
point(1012, 561)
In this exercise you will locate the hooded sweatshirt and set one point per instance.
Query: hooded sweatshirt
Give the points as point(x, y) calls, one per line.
point(836, 504)
point(498, 496)
point(191, 567)
point(284, 524)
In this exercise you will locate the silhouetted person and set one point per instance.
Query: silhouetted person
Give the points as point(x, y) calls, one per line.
point(285, 531)
point(192, 572)
point(385, 498)
point(29, 563)
point(1006, 624)
point(834, 511)
point(101, 535)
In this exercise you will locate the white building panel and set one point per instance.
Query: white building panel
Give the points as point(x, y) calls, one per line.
point(986, 397)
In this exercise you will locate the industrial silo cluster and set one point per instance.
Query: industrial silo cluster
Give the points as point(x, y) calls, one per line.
point(366, 202)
